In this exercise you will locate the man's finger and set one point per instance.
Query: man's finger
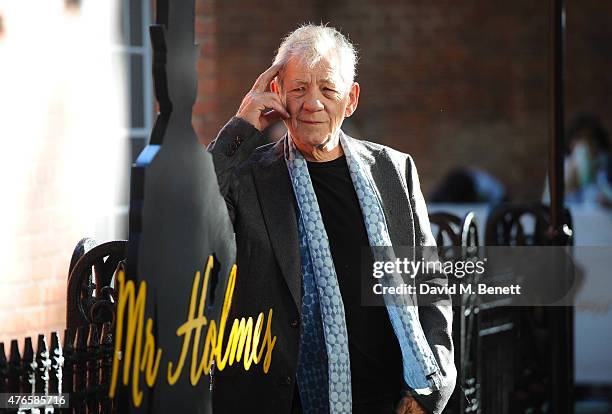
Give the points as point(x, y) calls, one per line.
point(279, 110)
point(272, 101)
point(272, 116)
point(262, 82)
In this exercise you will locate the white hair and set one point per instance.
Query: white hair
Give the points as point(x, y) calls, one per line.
point(310, 43)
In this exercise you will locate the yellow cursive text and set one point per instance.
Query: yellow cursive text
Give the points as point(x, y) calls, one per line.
point(243, 342)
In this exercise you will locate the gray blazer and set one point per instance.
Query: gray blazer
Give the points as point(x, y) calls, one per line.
point(255, 182)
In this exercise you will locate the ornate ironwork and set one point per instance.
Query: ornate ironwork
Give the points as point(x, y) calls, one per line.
point(522, 225)
point(80, 367)
point(91, 283)
point(452, 231)
point(526, 354)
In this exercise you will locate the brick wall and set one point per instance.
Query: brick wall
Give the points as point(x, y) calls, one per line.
point(237, 42)
point(62, 157)
point(206, 107)
point(453, 83)
point(589, 59)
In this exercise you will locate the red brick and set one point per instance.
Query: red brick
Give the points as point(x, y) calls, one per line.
point(452, 83)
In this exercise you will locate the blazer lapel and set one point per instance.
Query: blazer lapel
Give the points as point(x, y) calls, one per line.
point(277, 202)
point(395, 199)
point(278, 206)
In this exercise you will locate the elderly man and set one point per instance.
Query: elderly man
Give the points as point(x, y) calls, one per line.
point(303, 208)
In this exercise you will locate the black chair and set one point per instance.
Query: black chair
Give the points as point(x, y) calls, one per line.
point(526, 353)
point(521, 225)
point(458, 239)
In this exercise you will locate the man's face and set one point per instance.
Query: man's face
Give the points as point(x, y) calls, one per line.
point(318, 101)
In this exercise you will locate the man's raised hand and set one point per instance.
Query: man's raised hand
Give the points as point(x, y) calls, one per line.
point(261, 107)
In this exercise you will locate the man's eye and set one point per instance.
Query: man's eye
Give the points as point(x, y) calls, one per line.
point(300, 89)
point(329, 90)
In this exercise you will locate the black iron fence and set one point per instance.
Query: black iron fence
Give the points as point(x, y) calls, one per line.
point(509, 359)
point(494, 376)
point(80, 367)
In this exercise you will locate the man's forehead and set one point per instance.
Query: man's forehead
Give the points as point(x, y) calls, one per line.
point(325, 70)
point(306, 79)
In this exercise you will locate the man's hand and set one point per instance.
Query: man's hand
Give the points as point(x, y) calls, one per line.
point(260, 107)
point(408, 405)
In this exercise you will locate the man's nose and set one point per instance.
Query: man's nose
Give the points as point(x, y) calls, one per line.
point(312, 102)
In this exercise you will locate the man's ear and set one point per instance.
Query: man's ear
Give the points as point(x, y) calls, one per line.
point(353, 100)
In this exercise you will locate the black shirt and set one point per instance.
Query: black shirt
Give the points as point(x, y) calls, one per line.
point(376, 363)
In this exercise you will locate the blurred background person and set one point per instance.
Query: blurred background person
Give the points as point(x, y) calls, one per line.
point(588, 164)
point(469, 185)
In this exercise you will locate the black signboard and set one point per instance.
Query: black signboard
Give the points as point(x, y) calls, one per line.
point(181, 245)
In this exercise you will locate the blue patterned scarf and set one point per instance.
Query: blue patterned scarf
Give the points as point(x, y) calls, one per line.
point(324, 373)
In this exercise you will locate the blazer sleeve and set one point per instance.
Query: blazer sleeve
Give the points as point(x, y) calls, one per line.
point(232, 147)
point(436, 318)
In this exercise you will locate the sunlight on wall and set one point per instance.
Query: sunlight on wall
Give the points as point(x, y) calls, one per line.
point(63, 134)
